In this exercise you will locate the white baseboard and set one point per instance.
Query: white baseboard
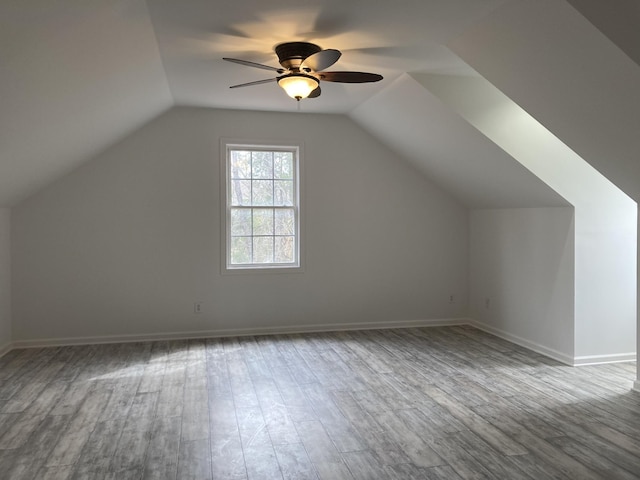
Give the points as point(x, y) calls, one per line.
point(236, 332)
point(599, 359)
point(556, 355)
point(4, 349)
point(332, 327)
point(536, 347)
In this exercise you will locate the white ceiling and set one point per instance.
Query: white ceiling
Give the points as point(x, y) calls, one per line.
point(76, 77)
point(389, 38)
point(449, 150)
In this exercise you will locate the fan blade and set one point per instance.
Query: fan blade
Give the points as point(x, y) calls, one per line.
point(257, 82)
point(253, 64)
point(316, 93)
point(321, 60)
point(350, 77)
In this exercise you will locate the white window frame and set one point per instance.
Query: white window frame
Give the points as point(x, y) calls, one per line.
point(228, 144)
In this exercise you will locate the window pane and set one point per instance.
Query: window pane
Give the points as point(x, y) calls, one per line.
point(240, 164)
point(262, 192)
point(262, 206)
point(284, 252)
point(240, 221)
point(263, 221)
point(283, 192)
point(262, 166)
point(240, 192)
point(284, 222)
point(283, 165)
point(240, 250)
point(262, 249)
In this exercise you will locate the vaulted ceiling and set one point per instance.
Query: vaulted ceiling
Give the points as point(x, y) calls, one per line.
point(77, 76)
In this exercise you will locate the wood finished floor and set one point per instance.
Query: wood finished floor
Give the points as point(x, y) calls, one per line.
point(437, 403)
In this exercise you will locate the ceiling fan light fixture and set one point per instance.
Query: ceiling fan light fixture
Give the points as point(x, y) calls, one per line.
point(303, 65)
point(298, 85)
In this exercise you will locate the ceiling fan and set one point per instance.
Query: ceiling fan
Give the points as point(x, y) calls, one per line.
point(302, 69)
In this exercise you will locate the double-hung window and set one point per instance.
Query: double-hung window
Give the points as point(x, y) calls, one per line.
point(262, 226)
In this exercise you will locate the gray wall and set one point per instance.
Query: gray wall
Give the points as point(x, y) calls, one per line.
point(5, 279)
point(128, 242)
point(522, 276)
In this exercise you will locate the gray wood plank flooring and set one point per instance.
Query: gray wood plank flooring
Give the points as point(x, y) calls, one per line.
point(437, 403)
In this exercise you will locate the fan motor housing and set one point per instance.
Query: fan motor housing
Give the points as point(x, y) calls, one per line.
point(292, 54)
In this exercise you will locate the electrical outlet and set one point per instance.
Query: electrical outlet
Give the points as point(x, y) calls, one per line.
point(452, 299)
point(487, 302)
point(197, 307)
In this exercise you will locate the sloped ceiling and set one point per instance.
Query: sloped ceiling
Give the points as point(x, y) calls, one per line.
point(620, 24)
point(76, 77)
point(449, 150)
point(573, 78)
